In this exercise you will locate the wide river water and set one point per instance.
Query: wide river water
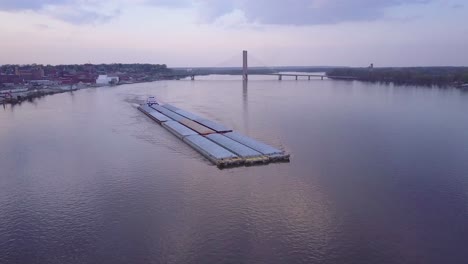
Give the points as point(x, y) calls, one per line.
point(378, 174)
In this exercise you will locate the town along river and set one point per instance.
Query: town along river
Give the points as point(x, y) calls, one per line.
point(378, 174)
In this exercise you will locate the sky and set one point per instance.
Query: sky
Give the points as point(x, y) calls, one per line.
point(213, 33)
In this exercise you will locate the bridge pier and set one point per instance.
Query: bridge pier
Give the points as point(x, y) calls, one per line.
point(192, 77)
point(297, 77)
point(280, 77)
point(321, 77)
point(245, 66)
point(309, 78)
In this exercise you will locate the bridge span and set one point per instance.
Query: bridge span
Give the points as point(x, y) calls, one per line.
point(279, 75)
point(245, 72)
point(309, 76)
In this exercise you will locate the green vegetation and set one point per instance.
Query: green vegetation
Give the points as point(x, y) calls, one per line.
point(440, 76)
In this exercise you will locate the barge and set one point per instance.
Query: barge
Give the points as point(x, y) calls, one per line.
point(219, 144)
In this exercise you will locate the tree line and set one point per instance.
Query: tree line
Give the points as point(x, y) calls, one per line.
point(441, 76)
point(114, 67)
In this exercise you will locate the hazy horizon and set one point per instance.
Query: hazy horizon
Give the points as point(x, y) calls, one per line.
point(203, 33)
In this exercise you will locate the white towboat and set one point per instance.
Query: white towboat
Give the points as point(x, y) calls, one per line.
point(151, 101)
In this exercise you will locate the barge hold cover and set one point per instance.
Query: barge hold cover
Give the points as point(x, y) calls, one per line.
point(233, 146)
point(254, 144)
point(213, 125)
point(170, 107)
point(249, 155)
point(212, 140)
point(179, 130)
point(146, 109)
point(168, 112)
point(188, 115)
point(158, 117)
point(215, 153)
point(202, 130)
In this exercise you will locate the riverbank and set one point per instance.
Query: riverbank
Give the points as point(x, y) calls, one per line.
point(23, 93)
point(20, 93)
point(31, 95)
point(423, 76)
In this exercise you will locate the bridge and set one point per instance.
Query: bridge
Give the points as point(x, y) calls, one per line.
point(246, 72)
point(309, 76)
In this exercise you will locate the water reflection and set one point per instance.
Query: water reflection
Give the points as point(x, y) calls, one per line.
point(375, 176)
point(245, 103)
point(245, 92)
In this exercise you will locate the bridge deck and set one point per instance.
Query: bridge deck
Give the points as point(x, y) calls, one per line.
point(290, 74)
point(192, 75)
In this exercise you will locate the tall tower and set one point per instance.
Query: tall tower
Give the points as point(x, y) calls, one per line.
point(245, 75)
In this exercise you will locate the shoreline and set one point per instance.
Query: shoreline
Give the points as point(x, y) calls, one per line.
point(459, 86)
point(443, 77)
point(30, 95)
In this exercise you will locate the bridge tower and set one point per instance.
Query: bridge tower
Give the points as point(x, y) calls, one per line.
point(245, 75)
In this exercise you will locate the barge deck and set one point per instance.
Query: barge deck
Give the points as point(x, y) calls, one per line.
point(219, 144)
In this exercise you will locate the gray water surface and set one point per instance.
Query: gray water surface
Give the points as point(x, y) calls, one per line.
point(378, 174)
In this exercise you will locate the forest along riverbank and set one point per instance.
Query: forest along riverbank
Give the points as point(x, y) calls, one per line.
point(425, 76)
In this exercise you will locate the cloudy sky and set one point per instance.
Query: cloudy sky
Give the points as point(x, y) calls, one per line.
point(214, 32)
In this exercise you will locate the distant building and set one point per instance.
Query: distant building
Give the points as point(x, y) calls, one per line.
point(43, 82)
point(38, 73)
point(51, 72)
point(10, 78)
point(107, 80)
point(89, 68)
point(30, 73)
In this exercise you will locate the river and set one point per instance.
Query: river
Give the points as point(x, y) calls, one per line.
point(378, 174)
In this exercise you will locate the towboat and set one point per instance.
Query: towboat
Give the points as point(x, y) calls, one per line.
point(151, 101)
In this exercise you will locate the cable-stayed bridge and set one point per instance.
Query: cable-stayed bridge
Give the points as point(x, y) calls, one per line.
point(247, 71)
